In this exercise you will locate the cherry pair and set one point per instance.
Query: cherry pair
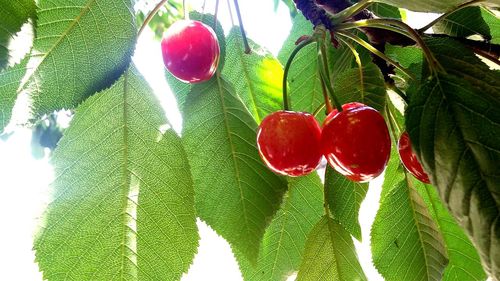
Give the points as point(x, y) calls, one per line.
point(355, 142)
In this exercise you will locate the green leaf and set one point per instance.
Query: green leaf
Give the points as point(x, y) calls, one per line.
point(406, 243)
point(344, 199)
point(257, 77)
point(289, 3)
point(433, 5)
point(464, 23)
point(454, 125)
point(283, 244)
point(493, 22)
point(304, 79)
point(330, 254)
point(123, 203)
point(13, 14)
point(464, 263)
point(235, 193)
point(80, 47)
point(9, 81)
point(365, 85)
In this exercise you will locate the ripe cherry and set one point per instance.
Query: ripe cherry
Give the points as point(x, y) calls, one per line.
point(289, 142)
point(409, 159)
point(356, 142)
point(190, 51)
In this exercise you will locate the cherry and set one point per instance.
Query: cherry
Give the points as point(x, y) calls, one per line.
point(289, 142)
point(356, 142)
point(190, 51)
point(409, 159)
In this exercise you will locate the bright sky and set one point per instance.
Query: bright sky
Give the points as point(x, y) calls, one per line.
point(24, 181)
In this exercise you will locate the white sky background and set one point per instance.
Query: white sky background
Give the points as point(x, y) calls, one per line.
point(24, 181)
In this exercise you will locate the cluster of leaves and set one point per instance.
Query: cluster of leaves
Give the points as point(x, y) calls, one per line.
point(128, 189)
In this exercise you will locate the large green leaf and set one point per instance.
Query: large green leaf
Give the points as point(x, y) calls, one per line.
point(365, 85)
point(344, 198)
point(13, 14)
point(123, 202)
point(304, 80)
point(433, 5)
point(283, 244)
point(235, 193)
point(9, 81)
point(406, 243)
point(330, 254)
point(80, 47)
point(257, 77)
point(463, 23)
point(453, 122)
point(464, 263)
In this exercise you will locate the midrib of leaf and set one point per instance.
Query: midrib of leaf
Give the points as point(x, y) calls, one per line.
point(282, 231)
point(332, 243)
point(126, 182)
point(33, 69)
point(415, 218)
point(233, 150)
point(250, 84)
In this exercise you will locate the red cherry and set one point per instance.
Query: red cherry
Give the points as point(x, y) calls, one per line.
point(289, 142)
point(409, 159)
point(356, 142)
point(190, 51)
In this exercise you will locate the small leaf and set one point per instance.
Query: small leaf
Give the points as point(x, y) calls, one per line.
point(10, 79)
point(464, 263)
point(385, 11)
point(80, 47)
point(363, 85)
point(406, 243)
point(344, 199)
point(123, 203)
point(235, 193)
point(464, 23)
point(257, 77)
point(13, 14)
point(493, 22)
point(330, 254)
point(435, 6)
point(285, 238)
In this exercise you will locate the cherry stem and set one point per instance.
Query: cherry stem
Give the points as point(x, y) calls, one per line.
point(215, 14)
point(286, 103)
point(401, 28)
point(242, 29)
point(445, 15)
point(150, 16)
point(324, 73)
point(349, 12)
point(318, 110)
point(374, 51)
point(328, 104)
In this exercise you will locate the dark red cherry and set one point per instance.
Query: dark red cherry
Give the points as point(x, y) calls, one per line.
point(356, 142)
point(190, 51)
point(409, 159)
point(289, 142)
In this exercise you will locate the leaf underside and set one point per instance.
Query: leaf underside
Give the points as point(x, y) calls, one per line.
point(123, 198)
